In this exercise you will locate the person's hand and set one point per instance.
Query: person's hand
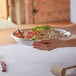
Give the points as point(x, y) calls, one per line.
point(48, 44)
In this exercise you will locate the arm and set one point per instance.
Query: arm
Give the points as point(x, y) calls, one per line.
point(54, 43)
point(69, 43)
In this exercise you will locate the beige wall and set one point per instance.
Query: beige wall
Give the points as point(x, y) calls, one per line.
point(3, 9)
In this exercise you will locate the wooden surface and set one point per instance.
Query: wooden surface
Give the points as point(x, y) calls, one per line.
point(5, 35)
point(60, 12)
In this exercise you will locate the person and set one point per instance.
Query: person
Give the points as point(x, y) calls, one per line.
point(56, 43)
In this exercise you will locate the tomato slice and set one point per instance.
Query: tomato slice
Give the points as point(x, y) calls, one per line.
point(20, 36)
point(22, 32)
point(16, 33)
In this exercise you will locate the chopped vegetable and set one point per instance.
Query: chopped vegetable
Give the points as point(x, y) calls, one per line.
point(40, 33)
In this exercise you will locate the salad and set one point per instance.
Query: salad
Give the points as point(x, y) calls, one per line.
point(39, 33)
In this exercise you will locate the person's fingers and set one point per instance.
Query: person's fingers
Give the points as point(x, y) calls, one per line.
point(34, 43)
point(44, 42)
point(48, 44)
point(38, 47)
point(43, 46)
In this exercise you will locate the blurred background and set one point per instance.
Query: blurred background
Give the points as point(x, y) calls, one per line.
point(35, 11)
